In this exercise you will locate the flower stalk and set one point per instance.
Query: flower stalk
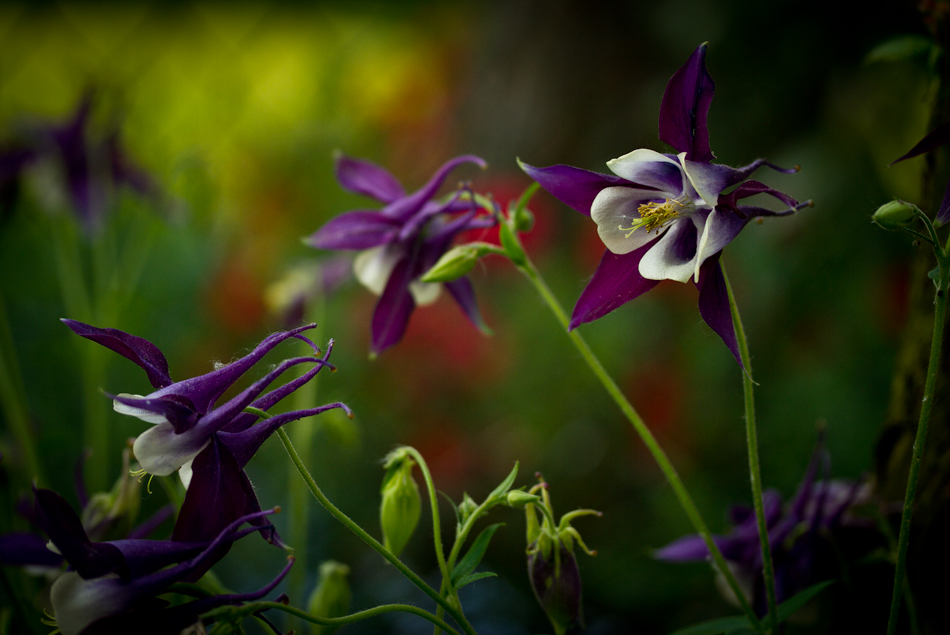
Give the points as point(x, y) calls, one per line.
point(755, 473)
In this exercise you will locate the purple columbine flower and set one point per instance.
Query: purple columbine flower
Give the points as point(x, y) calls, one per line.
point(805, 536)
point(112, 586)
point(207, 444)
point(664, 216)
point(401, 242)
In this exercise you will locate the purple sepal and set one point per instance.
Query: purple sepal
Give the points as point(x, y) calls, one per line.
point(463, 292)
point(355, 230)
point(65, 530)
point(937, 137)
point(574, 187)
point(943, 214)
point(616, 282)
point(214, 498)
point(751, 188)
point(179, 412)
point(367, 178)
point(136, 349)
point(405, 207)
point(23, 549)
point(395, 305)
point(684, 107)
point(714, 304)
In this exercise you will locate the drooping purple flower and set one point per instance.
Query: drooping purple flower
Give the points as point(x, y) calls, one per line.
point(108, 583)
point(401, 242)
point(805, 536)
point(663, 216)
point(208, 444)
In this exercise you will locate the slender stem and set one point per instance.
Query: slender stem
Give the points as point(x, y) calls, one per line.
point(755, 473)
point(686, 502)
point(256, 607)
point(434, 504)
point(940, 315)
point(365, 537)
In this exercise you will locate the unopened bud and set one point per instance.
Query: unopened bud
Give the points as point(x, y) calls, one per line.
point(467, 507)
point(458, 261)
point(518, 499)
point(556, 582)
point(894, 215)
point(401, 506)
point(332, 596)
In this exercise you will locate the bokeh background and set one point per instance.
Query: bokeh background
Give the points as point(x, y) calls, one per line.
point(235, 110)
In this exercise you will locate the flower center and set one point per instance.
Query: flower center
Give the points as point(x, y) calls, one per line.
point(654, 216)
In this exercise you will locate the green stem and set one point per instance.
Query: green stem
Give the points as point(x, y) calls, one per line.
point(755, 473)
point(434, 504)
point(256, 607)
point(940, 314)
point(13, 397)
point(686, 502)
point(369, 540)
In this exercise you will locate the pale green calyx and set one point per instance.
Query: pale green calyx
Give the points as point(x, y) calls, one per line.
point(401, 506)
point(458, 261)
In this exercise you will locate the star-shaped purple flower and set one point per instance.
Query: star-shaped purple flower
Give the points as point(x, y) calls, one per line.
point(208, 444)
point(663, 216)
point(401, 242)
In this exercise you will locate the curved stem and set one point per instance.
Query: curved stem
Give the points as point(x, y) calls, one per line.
point(686, 502)
point(256, 607)
point(755, 474)
point(365, 537)
point(940, 315)
point(434, 504)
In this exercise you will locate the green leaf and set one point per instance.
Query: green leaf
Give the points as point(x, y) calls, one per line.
point(717, 626)
point(502, 490)
point(475, 554)
point(934, 274)
point(787, 608)
point(511, 245)
point(901, 47)
point(468, 579)
point(455, 508)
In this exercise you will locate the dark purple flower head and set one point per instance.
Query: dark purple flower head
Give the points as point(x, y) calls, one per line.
point(804, 535)
point(208, 444)
point(401, 242)
point(109, 580)
point(664, 216)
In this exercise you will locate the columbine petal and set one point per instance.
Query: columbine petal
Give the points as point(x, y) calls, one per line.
point(714, 305)
point(147, 416)
point(937, 137)
point(650, 168)
point(464, 294)
point(673, 257)
point(355, 230)
point(137, 349)
point(943, 214)
point(719, 230)
point(406, 207)
point(212, 501)
point(574, 187)
point(425, 293)
point(616, 208)
point(685, 106)
point(616, 282)
point(395, 305)
point(374, 266)
point(162, 451)
point(367, 178)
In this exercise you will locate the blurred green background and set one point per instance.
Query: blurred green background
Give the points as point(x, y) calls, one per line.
point(236, 108)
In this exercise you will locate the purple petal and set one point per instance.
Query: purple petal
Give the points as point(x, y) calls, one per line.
point(367, 178)
point(464, 295)
point(395, 305)
point(22, 549)
point(182, 416)
point(685, 549)
point(64, 529)
point(751, 188)
point(684, 108)
point(937, 137)
point(355, 230)
point(404, 208)
point(714, 304)
point(214, 499)
point(616, 282)
point(943, 214)
point(574, 187)
point(134, 348)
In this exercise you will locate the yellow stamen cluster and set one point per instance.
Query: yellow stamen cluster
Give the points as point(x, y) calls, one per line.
point(655, 215)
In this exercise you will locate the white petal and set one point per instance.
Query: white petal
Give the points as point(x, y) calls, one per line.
point(160, 451)
point(699, 177)
point(185, 473)
point(660, 263)
point(78, 603)
point(373, 266)
point(425, 293)
point(145, 415)
point(616, 207)
point(641, 166)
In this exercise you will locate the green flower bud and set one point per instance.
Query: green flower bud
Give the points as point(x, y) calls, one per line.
point(467, 507)
point(401, 506)
point(517, 499)
point(113, 513)
point(458, 261)
point(332, 596)
point(894, 215)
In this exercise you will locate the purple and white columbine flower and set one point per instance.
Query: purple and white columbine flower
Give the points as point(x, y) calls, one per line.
point(664, 216)
point(208, 444)
point(401, 242)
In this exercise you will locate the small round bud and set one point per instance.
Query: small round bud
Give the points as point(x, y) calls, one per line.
point(401, 506)
point(894, 215)
point(518, 499)
point(332, 596)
